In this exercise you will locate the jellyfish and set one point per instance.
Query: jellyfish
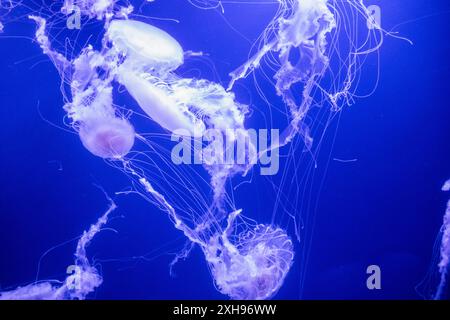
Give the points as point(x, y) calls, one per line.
point(247, 260)
point(107, 137)
point(102, 131)
point(444, 248)
point(251, 264)
point(304, 28)
point(433, 286)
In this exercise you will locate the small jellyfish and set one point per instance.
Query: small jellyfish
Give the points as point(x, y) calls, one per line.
point(254, 264)
point(107, 138)
point(249, 264)
point(102, 131)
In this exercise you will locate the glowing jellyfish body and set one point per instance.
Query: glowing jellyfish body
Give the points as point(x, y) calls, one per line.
point(102, 131)
point(145, 45)
point(107, 138)
point(151, 52)
point(160, 106)
point(254, 264)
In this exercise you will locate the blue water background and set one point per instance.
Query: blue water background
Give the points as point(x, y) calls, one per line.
point(383, 209)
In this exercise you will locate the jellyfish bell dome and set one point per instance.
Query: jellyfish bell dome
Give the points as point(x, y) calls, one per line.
point(109, 138)
point(146, 44)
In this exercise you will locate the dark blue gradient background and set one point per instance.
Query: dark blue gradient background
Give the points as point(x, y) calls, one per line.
point(384, 209)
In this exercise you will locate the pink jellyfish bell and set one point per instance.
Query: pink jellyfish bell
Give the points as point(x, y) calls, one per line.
point(109, 138)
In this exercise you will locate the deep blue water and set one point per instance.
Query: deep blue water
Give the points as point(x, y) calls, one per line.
point(384, 209)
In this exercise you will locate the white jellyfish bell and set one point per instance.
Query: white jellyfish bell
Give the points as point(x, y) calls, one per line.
point(145, 45)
